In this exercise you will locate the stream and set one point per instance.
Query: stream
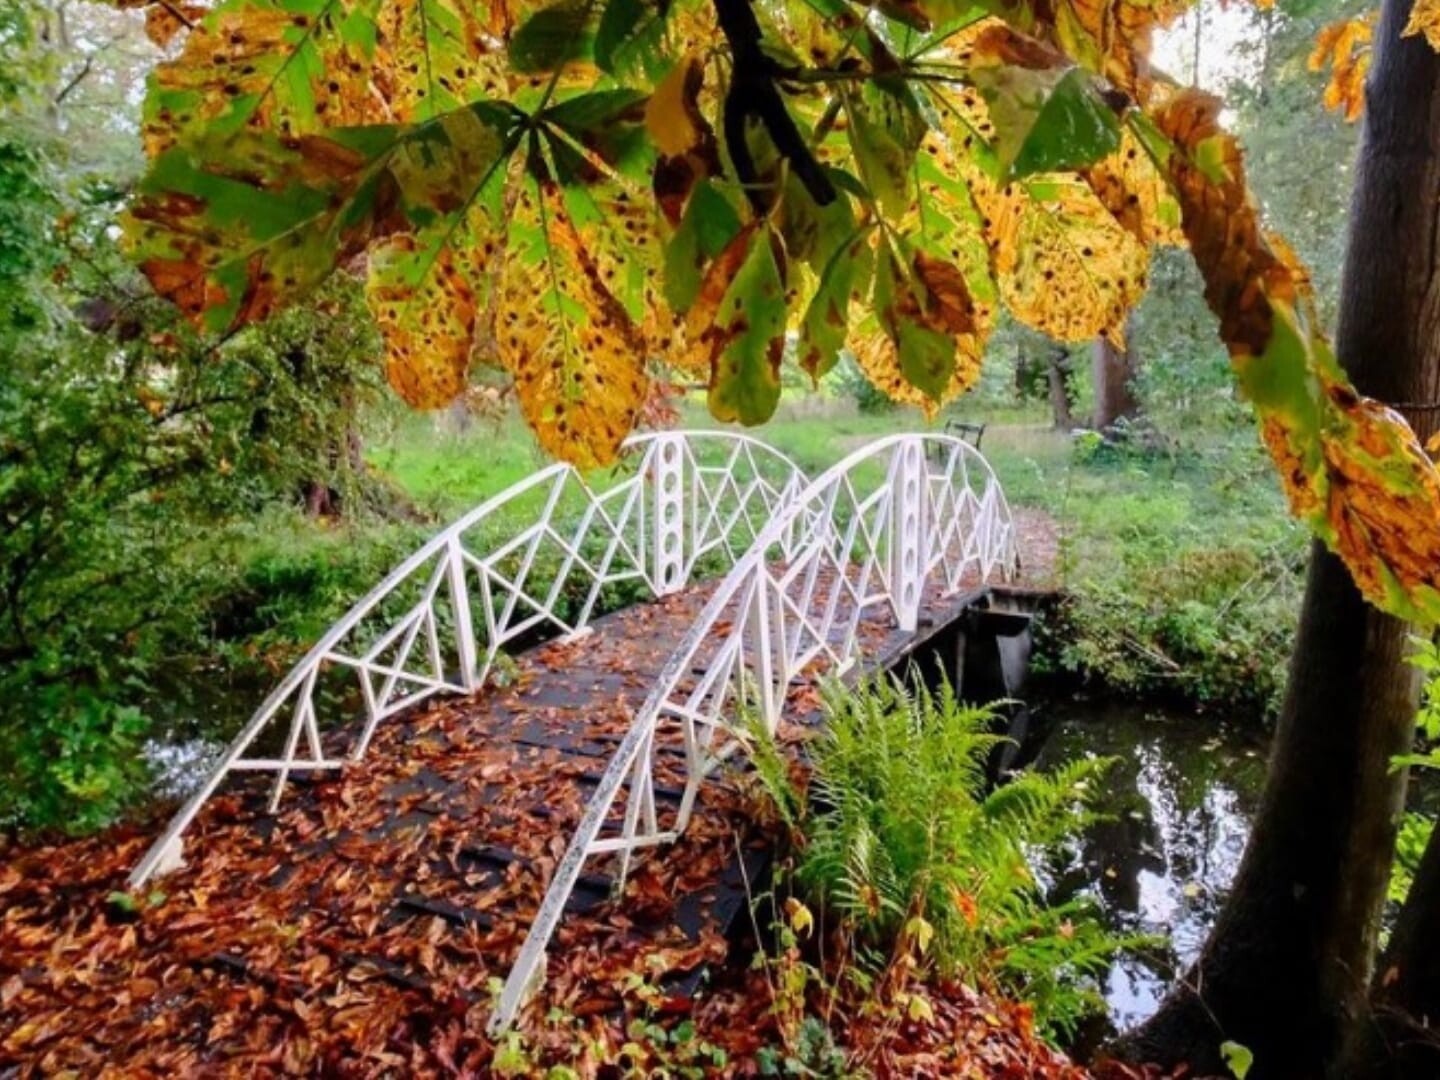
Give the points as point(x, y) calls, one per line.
point(1178, 806)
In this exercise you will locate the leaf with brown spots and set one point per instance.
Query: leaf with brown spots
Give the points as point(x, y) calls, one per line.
point(1137, 193)
point(425, 309)
point(230, 227)
point(577, 356)
point(736, 327)
point(1064, 265)
point(268, 64)
point(922, 346)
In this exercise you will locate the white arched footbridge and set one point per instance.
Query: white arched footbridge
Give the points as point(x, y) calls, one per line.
point(803, 574)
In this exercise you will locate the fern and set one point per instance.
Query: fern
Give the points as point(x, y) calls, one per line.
point(900, 824)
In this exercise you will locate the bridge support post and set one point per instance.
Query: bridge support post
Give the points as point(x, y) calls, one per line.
point(464, 624)
point(667, 531)
point(907, 553)
point(765, 632)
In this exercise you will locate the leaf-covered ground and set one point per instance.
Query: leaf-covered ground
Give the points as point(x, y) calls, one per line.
point(361, 929)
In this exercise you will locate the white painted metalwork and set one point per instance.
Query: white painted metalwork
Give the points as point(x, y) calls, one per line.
point(862, 540)
point(437, 623)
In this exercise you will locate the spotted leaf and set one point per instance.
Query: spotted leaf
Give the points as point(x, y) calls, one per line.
point(577, 357)
point(921, 345)
point(425, 308)
point(1064, 265)
point(231, 226)
point(736, 328)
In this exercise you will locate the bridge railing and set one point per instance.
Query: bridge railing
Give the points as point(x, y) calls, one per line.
point(536, 559)
point(866, 538)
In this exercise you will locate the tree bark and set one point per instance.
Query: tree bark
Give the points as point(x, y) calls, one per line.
point(1287, 966)
point(1112, 369)
point(1402, 1038)
point(1397, 184)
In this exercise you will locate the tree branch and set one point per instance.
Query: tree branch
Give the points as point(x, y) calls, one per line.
point(753, 93)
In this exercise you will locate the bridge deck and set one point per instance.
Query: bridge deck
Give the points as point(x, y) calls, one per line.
point(441, 841)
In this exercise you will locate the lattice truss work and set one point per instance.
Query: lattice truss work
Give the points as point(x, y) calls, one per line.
point(534, 561)
point(852, 554)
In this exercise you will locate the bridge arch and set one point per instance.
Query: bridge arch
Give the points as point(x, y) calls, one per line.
point(901, 515)
point(438, 623)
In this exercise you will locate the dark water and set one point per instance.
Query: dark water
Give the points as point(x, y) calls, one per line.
point(1180, 799)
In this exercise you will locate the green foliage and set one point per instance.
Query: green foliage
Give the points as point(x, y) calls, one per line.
point(1417, 826)
point(907, 852)
point(74, 760)
point(1182, 578)
point(122, 439)
point(1410, 844)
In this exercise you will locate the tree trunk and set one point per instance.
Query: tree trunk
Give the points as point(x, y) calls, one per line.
point(1112, 369)
point(1402, 1039)
point(1397, 184)
point(1057, 373)
point(1286, 967)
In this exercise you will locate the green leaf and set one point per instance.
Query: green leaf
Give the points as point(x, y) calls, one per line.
point(885, 128)
point(826, 322)
point(1046, 120)
point(554, 36)
point(1238, 1059)
point(604, 128)
point(630, 35)
point(710, 222)
point(1074, 128)
point(739, 327)
point(926, 355)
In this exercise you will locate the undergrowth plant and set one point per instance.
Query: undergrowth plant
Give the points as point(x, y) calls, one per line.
point(919, 869)
point(1416, 826)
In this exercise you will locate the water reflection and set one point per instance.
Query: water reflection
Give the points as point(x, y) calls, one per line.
point(1178, 806)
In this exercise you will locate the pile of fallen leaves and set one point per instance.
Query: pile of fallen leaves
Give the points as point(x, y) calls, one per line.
point(95, 985)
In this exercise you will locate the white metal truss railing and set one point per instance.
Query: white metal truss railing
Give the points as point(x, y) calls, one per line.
point(867, 537)
point(506, 571)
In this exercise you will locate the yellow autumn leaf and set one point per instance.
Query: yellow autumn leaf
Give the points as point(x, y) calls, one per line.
point(799, 916)
point(1425, 19)
point(921, 932)
point(919, 1009)
point(1344, 47)
point(577, 357)
point(425, 309)
point(671, 115)
point(1064, 265)
point(1130, 185)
